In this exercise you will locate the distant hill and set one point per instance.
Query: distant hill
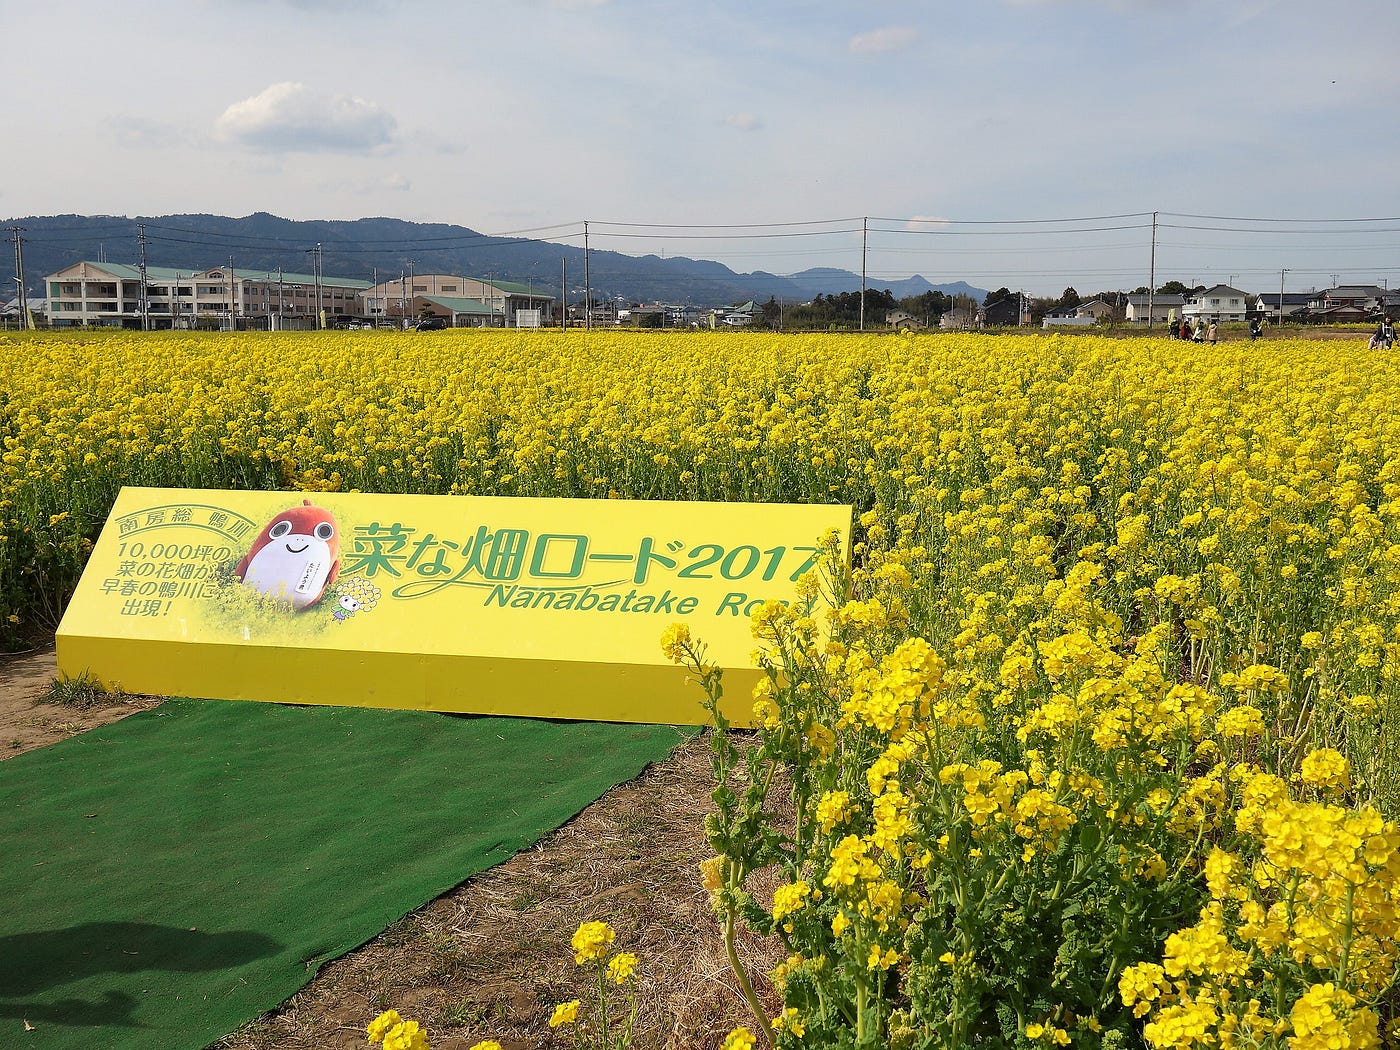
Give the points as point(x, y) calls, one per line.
point(826, 280)
point(364, 248)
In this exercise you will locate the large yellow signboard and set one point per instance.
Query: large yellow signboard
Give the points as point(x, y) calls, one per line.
point(539, 607)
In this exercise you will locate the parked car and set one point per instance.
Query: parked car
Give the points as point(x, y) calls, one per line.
point(431, 324)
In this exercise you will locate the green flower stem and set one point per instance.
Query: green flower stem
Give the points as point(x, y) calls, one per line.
point(602, 1006)
point(741, 974)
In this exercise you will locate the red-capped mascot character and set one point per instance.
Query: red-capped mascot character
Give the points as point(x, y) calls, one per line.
point(295, 558)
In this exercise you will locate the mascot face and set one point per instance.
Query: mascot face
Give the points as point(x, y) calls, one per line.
point(295, 557)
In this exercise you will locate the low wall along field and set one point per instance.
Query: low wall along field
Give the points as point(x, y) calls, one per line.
point(1100, 747)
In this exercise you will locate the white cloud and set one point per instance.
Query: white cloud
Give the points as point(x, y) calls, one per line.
point(397, 182)
point(743, 121)
point(291, 117)
point(919, 222)
point(879, 41)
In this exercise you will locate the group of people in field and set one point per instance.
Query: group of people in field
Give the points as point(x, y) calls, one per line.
point(1200, 333)
point(1208, 332)
point(1382, 339)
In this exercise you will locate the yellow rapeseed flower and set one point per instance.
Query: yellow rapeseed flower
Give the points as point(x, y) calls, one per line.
point(564, 1013)
point(591, 940)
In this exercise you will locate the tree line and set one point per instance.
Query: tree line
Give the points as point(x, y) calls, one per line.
point(842, 310)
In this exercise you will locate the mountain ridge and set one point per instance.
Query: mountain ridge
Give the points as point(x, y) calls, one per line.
point(385, 246)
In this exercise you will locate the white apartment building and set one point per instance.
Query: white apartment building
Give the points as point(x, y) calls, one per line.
point(110, 295)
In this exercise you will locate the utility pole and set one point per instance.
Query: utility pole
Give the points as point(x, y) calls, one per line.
point(143, 300)
point(23, 300)
point(1280, 297)
point(232, 316)
point(320, 308)
point(281, 322)
point(563, 292)
point(1152, 273)
point(864, 236)
point(587, 284)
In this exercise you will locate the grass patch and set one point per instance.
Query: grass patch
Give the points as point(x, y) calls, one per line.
point(82, 691)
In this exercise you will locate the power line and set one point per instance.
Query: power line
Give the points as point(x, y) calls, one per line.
point(1290, 233)
point(1020, 233)
point(725, 226)
point(1241, 218)
point(726, 236)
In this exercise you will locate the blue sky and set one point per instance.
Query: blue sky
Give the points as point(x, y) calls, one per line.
point(947, 124)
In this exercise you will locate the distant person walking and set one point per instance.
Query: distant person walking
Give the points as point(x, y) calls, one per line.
point(1255, 329)
point(1185, 329)
point(1211, 333)
point(1199, 336)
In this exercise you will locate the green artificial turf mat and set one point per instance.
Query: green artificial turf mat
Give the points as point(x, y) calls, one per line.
point(168, 877)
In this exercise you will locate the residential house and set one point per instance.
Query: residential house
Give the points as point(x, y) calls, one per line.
point(1006, 312)
point(903, 319)
point(1165, 308)
point(736, 316)
point(1294, 304)
point(1097, 309)
point(1352, 303)
point(962, 319)
point(1084, 315)
point(1221, 304)
point(684, 316)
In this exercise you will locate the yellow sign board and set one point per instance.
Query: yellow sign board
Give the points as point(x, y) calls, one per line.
point(550, 608)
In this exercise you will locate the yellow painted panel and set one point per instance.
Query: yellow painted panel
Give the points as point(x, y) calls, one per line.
point(545, 608)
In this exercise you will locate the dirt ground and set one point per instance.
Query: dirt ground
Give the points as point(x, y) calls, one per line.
point(491, 958)
point(27, 722)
